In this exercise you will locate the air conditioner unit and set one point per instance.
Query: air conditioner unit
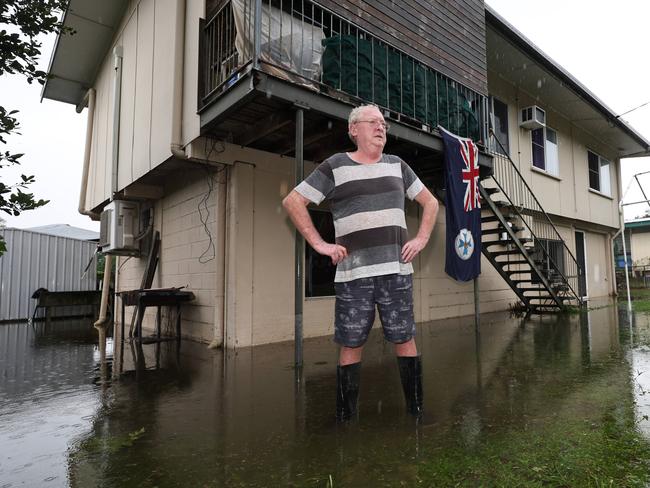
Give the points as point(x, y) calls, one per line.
point(118, 228)
point(532, 117)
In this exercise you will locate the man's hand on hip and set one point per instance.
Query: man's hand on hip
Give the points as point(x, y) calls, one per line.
point(334, 251)
point(412, 248)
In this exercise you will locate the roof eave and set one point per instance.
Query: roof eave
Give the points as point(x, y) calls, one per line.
point(527, 46)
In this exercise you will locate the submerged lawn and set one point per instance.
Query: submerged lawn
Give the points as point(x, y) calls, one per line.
point(640, 299)
point(567, 446)
point(571, 453)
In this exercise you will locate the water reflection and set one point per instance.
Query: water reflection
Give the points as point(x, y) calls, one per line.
point(183, 415)
point(47, 395)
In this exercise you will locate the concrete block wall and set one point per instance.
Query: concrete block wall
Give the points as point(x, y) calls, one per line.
point(190, 221)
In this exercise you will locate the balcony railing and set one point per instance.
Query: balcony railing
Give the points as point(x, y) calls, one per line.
point(309, 45)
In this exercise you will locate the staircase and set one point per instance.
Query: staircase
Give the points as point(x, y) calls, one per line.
point(522, 243)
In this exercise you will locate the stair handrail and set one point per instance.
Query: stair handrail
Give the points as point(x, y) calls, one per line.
point(540, 210)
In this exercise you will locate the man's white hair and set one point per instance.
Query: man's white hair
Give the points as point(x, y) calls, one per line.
point(355, 115)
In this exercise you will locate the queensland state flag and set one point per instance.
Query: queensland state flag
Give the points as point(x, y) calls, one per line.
point(463, 207)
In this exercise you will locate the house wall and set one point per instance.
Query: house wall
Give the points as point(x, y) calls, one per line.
point(567, 195)
point(256, 239)
point(640, 246)
point(146, 35)
point(600, 282)
point(191, 222)
point(598, 255)
point(254, 242)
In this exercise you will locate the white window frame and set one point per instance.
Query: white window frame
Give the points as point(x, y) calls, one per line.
point(604, 174)
point(551, 153)
point(506, 144)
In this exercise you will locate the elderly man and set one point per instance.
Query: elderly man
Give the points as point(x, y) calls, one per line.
point(366, 190)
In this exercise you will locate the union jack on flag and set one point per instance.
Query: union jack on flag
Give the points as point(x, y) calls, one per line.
point(469, 152)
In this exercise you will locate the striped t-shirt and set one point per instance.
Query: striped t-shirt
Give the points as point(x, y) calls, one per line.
point(367, 205)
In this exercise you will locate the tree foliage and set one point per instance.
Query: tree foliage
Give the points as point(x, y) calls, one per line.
point(21, 24)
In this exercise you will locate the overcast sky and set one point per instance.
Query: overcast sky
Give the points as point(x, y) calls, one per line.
point(602, 44)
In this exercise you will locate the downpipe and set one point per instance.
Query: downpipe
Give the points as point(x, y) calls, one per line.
point(90, 100)
point(117, 102)
point(176, 145)
point(102, 323)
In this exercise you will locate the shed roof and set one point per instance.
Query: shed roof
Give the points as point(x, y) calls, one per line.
point(66, 230)
point(636, 224)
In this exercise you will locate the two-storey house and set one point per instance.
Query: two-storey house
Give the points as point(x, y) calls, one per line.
point(206, 113)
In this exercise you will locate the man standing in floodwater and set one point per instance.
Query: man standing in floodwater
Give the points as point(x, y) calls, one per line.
point(366, 190)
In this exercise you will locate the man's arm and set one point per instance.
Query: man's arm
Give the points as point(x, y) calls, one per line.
point(430, 206)
point(296, 206)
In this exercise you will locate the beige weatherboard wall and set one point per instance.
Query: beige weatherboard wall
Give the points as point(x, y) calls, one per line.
point(567, 198)
point(147, 39)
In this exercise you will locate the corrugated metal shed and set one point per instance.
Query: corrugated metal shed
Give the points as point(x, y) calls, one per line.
point(34, 260)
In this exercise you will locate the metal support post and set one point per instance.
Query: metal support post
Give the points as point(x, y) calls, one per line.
point(257, 34)
point(299, 242)
point(477, 307)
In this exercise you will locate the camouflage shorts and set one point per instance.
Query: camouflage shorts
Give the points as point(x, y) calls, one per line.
point(355, 309)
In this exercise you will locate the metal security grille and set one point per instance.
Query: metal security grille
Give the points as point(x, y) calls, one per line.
point(312, 46)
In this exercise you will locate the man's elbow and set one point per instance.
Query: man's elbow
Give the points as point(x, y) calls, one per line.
point(286, 201)
point(434, 204)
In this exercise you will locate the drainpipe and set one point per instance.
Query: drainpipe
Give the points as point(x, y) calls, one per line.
point(117, 100)
point(627, 278)
point(103, 321)
point(223, 217)
point(177, 148)
point(230, 261)
point(90, 99)
point(612, 262)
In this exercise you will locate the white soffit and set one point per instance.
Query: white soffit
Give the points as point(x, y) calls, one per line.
point(76, 57)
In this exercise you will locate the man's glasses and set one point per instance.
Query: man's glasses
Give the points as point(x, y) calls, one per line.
point(377, 123)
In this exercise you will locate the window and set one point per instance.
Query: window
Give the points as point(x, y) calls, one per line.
point(319, 270)
point(599, 178)
point(500, 126)
point(545, 152)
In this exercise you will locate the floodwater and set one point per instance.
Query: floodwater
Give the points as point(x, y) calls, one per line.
point(169, 415)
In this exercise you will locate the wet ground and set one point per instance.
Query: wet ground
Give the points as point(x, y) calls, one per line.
point(512, 401)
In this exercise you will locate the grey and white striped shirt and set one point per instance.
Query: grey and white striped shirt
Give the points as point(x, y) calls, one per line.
point(367, 204)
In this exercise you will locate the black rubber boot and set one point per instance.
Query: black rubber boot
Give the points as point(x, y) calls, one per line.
point(347, 391)
point(410, 371)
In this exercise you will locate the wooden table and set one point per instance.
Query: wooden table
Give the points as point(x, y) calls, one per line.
point(154, 297)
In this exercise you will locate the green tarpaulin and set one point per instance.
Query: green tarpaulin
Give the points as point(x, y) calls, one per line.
point(377, 73)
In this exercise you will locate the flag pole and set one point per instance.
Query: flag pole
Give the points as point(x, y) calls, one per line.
point(477, 307)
